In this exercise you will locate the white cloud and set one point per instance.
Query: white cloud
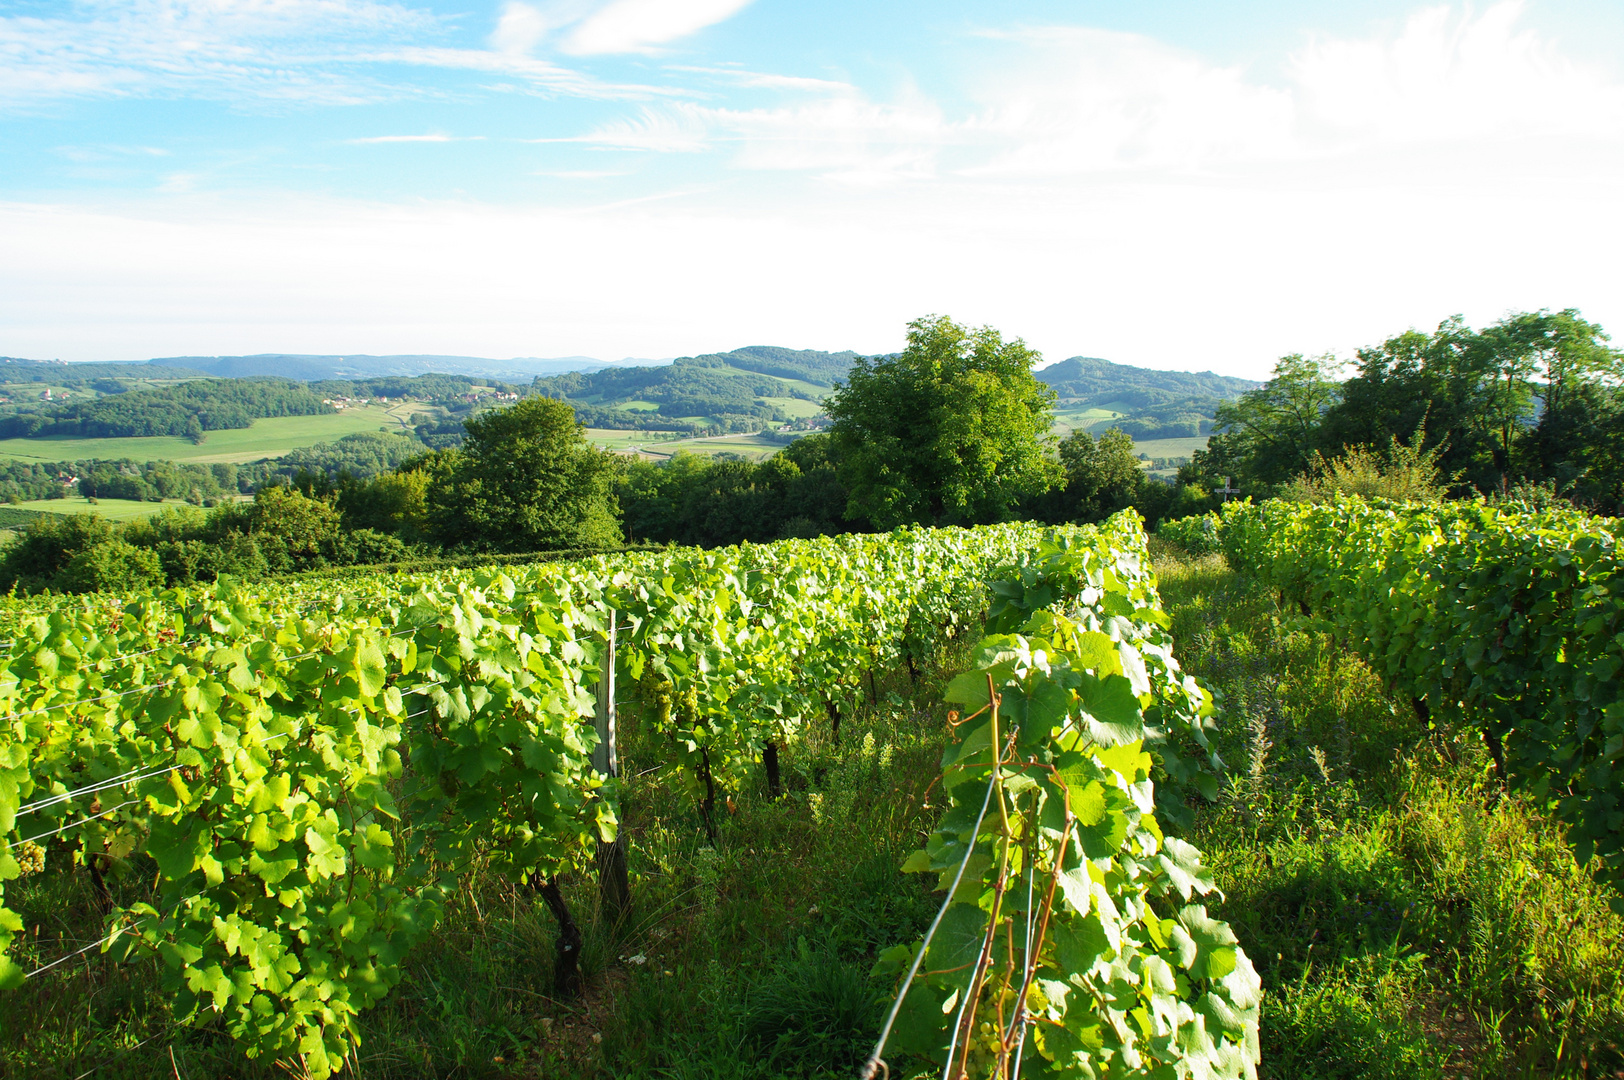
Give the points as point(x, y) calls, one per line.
point(1083, 100)
point(520, 29)
point(432, 138)
point(1453, 77)
point(1050, 103)
point(627, 26)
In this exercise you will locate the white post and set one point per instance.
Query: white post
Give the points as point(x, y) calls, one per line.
point(613, 885)
point(605, 757)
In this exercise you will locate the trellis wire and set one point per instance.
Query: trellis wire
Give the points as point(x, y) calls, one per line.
point(90, 701)
point(873, 1063)
point(70, 825)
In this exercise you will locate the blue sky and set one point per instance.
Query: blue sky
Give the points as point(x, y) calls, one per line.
point(1176, 184)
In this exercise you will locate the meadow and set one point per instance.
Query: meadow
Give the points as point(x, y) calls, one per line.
point(659, 445)
point(267, 438)
point(111, 509)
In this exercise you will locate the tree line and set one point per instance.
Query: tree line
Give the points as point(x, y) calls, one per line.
point(362, 455)
point(1532, 401)
point(187, 410)
point(954, 430)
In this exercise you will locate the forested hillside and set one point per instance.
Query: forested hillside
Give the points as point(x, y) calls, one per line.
point(59, 373)
point(734, 391)
point(1145, 403)
point(187, 410)
point(321, 366)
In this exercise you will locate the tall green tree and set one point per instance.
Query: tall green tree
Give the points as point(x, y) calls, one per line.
point(954, 430)
point(525, 479)
point(1102, 475)
point(1267, 436)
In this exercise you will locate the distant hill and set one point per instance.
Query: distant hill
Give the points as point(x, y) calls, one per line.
point(61, 373)
point(1096, 394)
point(742, 390)
point(311, 367)
point(1088, 378)
point(808, 365)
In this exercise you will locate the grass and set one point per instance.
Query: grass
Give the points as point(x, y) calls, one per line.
point(111, 509)
point(651, 444)
point(1409, 918)
point(796, 408)
point(268, 438)
point(1170, 447)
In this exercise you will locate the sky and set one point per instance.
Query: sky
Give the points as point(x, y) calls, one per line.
point(1169, 183)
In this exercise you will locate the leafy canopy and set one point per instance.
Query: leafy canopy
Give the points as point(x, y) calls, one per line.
point(524, 480)
point(951, 431)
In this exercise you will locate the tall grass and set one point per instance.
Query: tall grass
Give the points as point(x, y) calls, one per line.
point(1408, 916)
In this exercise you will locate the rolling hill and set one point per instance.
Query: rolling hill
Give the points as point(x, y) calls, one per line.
point(1095, 394)
point(742, 390)
point(311, 367)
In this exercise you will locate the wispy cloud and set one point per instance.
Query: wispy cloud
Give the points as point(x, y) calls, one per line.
point(108, 152)
point(680, 128)
point(322, 52)
point(629, 26)
point(434, 138)
point(581, 174)
point(276, 50)
point(1054, 102)
point(765, 80)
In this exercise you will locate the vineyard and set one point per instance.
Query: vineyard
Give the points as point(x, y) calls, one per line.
point(1510, 620)
point(305, 774)
point(931, 803)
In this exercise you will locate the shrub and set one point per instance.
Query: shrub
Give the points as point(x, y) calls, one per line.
point(1402, 474)
point(111, 564)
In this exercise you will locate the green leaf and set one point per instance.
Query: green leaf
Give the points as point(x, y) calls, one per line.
point(1112, 710)
point(1097, 653)
point(956, 946)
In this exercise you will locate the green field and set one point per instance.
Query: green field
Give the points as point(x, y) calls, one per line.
point(650, 444)
point(753, 447)
point(266, 439)
point(111, 509)
point(795, 407)
point(1067, 421)
point(1171, 447)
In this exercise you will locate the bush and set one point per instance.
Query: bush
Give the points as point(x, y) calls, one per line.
point(45, 548)
point(111, 564)
point(1402, 474)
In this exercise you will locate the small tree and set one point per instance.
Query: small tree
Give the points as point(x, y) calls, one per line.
point(525, 479)
point(952, 431)
point(111, 565)
point(1102, 476)
point(1268, 435)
